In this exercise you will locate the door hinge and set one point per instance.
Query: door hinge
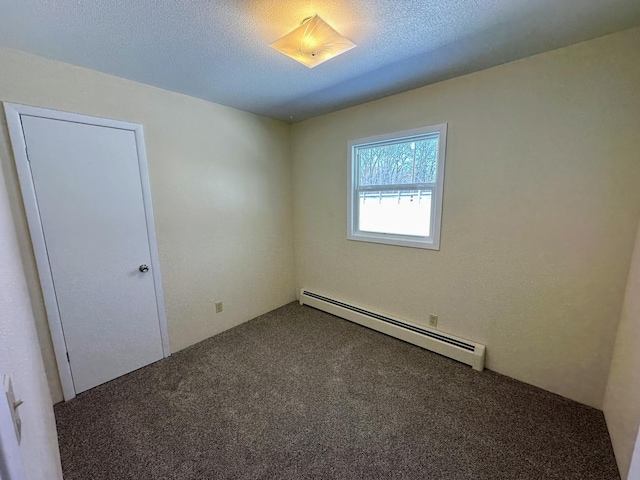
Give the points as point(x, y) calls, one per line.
point(68, 360)
point(26, 152)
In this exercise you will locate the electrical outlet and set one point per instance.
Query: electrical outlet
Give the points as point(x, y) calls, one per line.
point(433, 321)
point(218, 307)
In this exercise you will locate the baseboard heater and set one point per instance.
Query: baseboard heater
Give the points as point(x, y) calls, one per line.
point(456, 348)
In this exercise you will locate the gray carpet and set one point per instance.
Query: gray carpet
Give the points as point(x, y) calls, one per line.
point(298, 393)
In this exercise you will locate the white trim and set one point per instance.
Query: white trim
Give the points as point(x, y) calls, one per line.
point(433, 241)
point(14, 123)
point(153, 242)
point(634, 468)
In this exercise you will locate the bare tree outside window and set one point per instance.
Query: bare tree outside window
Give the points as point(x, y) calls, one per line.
point(400, 163)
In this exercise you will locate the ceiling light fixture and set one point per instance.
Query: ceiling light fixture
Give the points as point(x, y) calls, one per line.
point(313, 42)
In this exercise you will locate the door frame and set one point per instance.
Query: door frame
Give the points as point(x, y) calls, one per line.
point(13, 113)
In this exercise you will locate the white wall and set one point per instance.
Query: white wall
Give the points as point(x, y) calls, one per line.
point(20, 357)
point(221, 190)
point(622, 399)
point(541, 206)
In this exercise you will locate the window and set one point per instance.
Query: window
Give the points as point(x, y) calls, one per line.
point(395, 187)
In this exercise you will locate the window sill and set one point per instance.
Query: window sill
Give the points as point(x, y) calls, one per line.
point(397, 240)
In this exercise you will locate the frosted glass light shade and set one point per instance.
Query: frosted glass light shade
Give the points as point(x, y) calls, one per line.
point(313, 43)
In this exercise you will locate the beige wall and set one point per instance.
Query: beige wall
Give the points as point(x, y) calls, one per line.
point(221, 189)
point(541, 206)
point(20, 357)
point(539, 214)
point(622, 399)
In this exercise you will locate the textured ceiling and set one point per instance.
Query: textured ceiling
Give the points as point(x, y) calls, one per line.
point(219, 50)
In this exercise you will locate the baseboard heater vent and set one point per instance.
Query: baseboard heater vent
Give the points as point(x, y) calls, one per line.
point(453, 347)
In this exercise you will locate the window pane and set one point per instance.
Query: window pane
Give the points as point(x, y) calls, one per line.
point(399, 212)
point(426, 161)
point(414, 161)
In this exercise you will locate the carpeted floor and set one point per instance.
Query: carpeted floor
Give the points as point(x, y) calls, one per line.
point(298, 393)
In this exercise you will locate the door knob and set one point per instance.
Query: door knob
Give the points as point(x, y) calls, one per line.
point(143, 268)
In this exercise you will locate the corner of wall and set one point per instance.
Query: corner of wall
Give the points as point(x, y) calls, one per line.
point(622, 395)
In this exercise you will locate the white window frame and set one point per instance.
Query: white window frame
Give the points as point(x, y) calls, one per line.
point(431, 242)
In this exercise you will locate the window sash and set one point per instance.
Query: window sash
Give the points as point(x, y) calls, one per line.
point(394, 141)
point(398, 141)
point(396, 186)
point(356, 210)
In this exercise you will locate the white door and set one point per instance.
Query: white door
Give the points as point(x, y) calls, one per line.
point(87, 183)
